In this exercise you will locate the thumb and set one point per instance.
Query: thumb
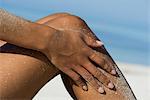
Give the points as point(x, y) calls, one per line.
point(92, 41)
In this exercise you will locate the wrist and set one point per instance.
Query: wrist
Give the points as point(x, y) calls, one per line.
point(45, 34)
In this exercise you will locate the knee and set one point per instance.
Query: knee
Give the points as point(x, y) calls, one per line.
point(63, 14)
point(67, 21)
point(68, 16)
point(72, 21)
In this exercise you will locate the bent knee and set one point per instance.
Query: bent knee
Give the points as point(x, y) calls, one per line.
point(72, 19)
point(67, 22)
point(62, 13)
point(65, 15)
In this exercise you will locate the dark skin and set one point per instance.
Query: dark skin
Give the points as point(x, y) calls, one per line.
point(106, 63)
point(69, 51)
point(26, 60)
point(122, 90)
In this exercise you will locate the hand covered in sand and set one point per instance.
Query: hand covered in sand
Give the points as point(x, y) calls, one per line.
point(71, 53)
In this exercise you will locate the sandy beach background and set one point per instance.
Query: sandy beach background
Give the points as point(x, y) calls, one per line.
point(138, 77)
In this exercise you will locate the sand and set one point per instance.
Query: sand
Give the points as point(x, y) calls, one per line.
point(138, 76)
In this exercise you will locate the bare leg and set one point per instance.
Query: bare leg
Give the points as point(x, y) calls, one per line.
point(31, 62)
point(123, 91)
point(22, 71)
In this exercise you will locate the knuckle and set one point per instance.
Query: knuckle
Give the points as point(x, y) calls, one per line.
point(98, 74)
point(105, 57)
point(108, 59)
point(87, 64)
point(79, 82)
point(104, 79)
point(92, 54)
point(102, 62)
point(77, 79)
point(101, 77)
point(89, 78)
point(90, 41)
point(106, 66)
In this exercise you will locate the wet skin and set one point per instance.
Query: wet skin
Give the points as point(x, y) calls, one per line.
point(69, 50)
point(28, 62)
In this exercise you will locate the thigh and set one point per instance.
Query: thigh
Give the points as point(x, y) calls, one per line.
point(23, 72)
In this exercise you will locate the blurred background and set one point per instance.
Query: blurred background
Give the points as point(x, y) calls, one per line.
point(123, 26)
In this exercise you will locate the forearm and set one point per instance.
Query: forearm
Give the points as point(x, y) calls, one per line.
point(21, 32)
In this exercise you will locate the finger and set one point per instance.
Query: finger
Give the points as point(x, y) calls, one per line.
point(110, 84)
point(92, 41)
point(89, 78)
point(98, 74)
point(77, 79)
point(103, 61)
point(110, 63)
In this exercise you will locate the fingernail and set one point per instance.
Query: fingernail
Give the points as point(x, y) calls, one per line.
point(101, 90)
point(99, 43)
point(111, 85)
point(113, 72)
point(84, 88)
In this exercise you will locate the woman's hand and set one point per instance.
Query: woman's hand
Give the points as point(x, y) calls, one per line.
point(70, 52)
